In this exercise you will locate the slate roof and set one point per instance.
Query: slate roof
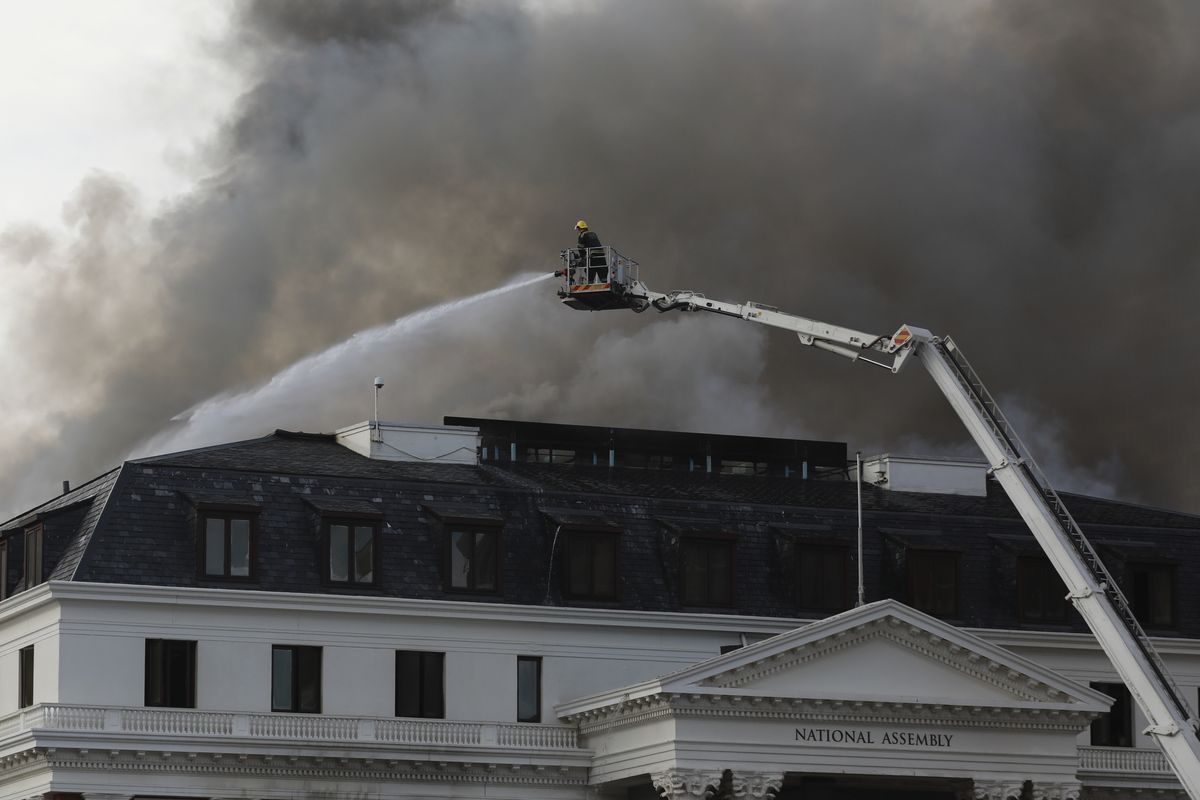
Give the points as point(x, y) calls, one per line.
point(138, 526)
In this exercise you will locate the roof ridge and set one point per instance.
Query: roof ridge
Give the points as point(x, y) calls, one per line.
point(205, 449)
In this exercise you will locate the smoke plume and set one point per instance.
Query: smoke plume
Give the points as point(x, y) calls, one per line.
point(1018, 174)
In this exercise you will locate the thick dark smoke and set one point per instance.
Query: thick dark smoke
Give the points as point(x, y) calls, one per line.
point(1021, 175)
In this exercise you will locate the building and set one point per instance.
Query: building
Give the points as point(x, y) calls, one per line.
point(518, 610)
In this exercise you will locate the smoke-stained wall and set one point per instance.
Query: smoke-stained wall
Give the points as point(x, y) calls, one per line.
point(1020, 175)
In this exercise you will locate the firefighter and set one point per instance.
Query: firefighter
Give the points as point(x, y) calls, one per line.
point(593, 258)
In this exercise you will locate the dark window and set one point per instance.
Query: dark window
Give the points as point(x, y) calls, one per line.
point(1041, 594)
point(353, 551)
point(729, 648)
point(933, 582)
point(592, 565)
point(3, 569)
point(473, 559)
point(647, 461)
point(25, 678)
point(420, 684)
point(529, 689)
point(296, 679)
point(1151, 589)
point(729, 467)
point(548, 455)
point(821, 580)
point(170, 673)
point(707, 572)
point(33, 556)
point(1115, 728)
point(227, 545)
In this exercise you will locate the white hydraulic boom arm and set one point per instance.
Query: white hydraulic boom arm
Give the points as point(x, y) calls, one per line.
point(1091, 588)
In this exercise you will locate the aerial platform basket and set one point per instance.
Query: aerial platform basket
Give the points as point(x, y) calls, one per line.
point(597, 279)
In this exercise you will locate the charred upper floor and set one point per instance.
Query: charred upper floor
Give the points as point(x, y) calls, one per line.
point(678, 522)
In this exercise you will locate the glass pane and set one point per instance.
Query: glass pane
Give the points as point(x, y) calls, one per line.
point(364, 554)
point(460, 559)
point(528, 689)
point(695, 575)
point(309, 679)
point(239, 547)
point(281, 679)
point(432, 702)
point(605, 550)
point(485, 561)
point(26, 676)
point(719, 574)
point(579, 568)
point(214, 546)
point(339, 553)
point(408, 684)
point(154, 677)
point(179, 659)
point(1160, 598)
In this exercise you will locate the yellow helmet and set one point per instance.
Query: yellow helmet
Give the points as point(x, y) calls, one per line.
point(581, 226)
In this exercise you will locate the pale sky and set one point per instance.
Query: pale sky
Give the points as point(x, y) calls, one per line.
point(120, 86)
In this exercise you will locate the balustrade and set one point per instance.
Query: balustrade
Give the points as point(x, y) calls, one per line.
point(1132, 760)
point(168, 722)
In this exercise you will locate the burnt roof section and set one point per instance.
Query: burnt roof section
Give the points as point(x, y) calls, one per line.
point(140, 527)
point(678, 443)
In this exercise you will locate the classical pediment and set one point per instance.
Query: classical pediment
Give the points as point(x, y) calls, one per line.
point(884, 650)
point(884, 653)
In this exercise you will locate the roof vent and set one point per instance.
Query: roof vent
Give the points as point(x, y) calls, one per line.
point(930, 475)
point(394, 441)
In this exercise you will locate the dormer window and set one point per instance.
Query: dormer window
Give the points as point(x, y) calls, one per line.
point(226, 544)
point(933, 582)
point(352, 551)
point(707, 571)
point(473, 562)
point(591, 572)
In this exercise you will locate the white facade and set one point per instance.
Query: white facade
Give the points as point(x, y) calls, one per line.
point(630, 700)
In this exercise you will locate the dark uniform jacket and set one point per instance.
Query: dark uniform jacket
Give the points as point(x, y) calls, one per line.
point(590, 239)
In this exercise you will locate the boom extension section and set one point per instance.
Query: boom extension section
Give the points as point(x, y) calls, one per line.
point(1090, 587)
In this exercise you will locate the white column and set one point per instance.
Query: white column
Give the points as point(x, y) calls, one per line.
point(686, 784)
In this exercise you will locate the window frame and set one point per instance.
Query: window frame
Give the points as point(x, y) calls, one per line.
point(164, 668)
point(295, 699)
point(4, 568)
point(33, 555)
point(352, 521)
point(423, 658)
point(574, 544)
point(226, 513)
point(472, 526)
point(1136, 606)
point(1025, 562)
point(935, 555)
point(537, 716)
point(25, 676)
point(824, 547)
point(708, 541)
